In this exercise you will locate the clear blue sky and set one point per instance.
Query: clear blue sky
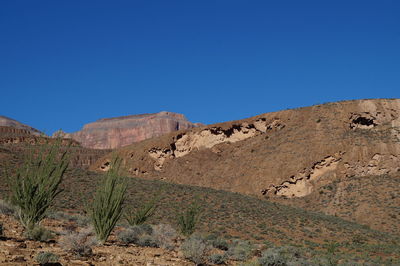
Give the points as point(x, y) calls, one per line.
point(67, 63)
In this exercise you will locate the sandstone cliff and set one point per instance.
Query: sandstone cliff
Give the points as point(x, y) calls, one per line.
point(110, 133)
point(7, 124)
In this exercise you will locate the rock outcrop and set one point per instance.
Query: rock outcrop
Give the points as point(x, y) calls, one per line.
point(110, 133)
point(287, 154)
point(11, 126)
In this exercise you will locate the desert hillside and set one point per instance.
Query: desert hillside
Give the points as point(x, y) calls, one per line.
point(291, 156)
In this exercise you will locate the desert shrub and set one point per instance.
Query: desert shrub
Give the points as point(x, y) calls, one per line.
point(217, 258)
point(141, 235)
point(240, 250)
point(195, 249)
point(142, 214)
point(277, 256)
point(146, 240)
point(188, 220)
point(106, 208)
point(6, 208)
point(44, 258)
point(130, 235)
point(79, 243)
point(35, 184)
point(39, 233)
point(220, 243)
point(164, 235)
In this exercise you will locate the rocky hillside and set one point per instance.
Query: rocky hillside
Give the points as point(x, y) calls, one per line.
point(287, 154)
point(110, 133)
point(6, 123)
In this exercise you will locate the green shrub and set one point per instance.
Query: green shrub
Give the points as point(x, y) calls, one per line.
point(188, 220)
point(39, 233)
point(106, 208)
point(44, 258)
point(195, 249)
point(35, 184)
point(142, 214)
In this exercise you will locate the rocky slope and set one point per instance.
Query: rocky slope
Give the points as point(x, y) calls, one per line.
point(286, 154)
point(7, 124)
point(110, 133)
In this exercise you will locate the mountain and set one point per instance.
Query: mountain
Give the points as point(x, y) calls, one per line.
point(7, 124)
point(313, 153)
point(110, 133)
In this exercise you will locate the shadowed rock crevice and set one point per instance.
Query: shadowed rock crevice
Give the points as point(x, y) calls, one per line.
point(362, 121)
point(303, 183)
point(186, 143)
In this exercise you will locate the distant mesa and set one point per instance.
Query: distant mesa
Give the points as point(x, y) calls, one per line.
point(110, 133)
point(9, 125)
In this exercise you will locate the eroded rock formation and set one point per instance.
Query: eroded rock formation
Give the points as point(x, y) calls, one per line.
point(110, 133)
point(8, 125)
point(287, 154)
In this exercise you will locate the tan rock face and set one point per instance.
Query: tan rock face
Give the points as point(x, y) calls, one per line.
point(116, 132)
point(6, 124)
point(288, 154)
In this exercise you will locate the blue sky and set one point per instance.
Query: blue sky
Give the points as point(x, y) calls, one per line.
point(67, 63)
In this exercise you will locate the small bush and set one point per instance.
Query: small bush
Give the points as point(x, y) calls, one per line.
point(220, 243)
point(146, 241)
point(130, 235)
point(195, 249)
point(141, 215)
point(217, 259)
point(44, 258)
point(188, 220)
point(39, 233)
point(281, 256)
point(106, 208)
point(165, 236)
point(141, 235)
point(6, 208)
point(79, 243)
point(240, 250)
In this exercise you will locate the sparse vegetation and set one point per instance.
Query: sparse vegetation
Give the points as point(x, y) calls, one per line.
point(240, 250)
point(79, 243)
point(39, 233)
point(188, 220)
point(195, 249)
point(142, 214)
point(217, 259)
point(106, 208)
point(46, 258)
point(165, 236)
point(35, 184)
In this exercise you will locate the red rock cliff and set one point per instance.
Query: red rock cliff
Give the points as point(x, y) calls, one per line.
point(110, 133)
